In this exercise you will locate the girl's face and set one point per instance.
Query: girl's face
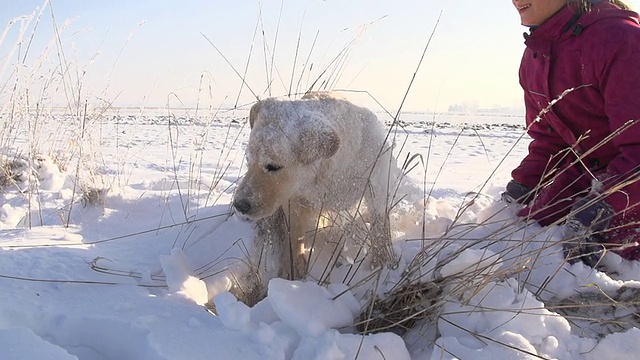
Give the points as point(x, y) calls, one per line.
point(535, 12)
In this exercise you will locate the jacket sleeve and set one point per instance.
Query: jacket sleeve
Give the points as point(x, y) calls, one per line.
point(621, 91)
point(545, 151)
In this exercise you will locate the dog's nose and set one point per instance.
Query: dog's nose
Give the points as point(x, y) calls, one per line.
point(242, 205)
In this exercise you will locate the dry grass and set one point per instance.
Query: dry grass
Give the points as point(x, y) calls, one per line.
point(13, 171)
point(592, 312)
point(401, 310)
point(416, 298)
point(596, 314)
point(46, 109)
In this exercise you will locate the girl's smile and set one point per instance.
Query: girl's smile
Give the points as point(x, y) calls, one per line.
point(535, 12)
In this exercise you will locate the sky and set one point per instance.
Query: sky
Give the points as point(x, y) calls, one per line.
point(159, 53)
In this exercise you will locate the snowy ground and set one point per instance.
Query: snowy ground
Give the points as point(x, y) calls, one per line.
point(124, 272)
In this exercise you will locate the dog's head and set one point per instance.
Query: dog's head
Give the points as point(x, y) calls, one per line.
point(286, 139)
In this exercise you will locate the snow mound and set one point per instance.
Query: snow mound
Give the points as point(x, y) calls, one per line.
point(302, 321)
point(177, 271)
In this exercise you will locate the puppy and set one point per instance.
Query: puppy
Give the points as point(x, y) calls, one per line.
point(318, 154)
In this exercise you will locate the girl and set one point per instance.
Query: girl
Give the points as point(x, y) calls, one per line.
point(581, 78)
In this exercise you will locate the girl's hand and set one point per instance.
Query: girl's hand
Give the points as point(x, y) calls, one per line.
point(516, 192)
point(588, 218)
point(593, 213)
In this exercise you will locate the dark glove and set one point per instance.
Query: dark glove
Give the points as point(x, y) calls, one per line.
point(516, 192)
point(583, 230)
point(595, 214)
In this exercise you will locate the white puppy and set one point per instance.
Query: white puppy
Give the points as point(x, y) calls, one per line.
point(320, 153)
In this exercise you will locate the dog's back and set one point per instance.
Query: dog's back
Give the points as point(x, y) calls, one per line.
point(363, 155)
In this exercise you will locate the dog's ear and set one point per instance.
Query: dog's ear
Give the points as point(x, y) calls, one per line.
point(253, 113)
point(317, 142)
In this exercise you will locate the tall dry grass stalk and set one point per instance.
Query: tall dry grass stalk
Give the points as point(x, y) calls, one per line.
point(47, 109)
point(52, 106)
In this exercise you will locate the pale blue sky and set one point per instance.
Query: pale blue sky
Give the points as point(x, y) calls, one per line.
point(473, 56)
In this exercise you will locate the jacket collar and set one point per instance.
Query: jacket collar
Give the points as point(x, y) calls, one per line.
point(567, 22)
point(554, 26)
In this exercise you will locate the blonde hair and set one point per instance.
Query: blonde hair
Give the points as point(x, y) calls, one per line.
point(585, 5)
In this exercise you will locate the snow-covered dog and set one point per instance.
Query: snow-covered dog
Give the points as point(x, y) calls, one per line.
point(320, 153)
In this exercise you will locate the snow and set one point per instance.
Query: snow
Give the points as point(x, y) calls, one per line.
point(176, 269)
point(310, 309)
point(617, 346)
point(132, 274)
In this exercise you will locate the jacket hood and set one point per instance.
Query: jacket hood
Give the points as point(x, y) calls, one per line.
point(567, 22)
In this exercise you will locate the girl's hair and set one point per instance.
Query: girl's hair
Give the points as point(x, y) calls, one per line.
point(585, 5)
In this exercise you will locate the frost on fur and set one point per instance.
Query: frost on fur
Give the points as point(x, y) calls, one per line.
point(309, 158)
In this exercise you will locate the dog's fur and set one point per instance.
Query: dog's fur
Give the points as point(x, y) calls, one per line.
point(320, 153)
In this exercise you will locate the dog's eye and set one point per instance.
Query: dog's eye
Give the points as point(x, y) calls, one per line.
point(272, 168)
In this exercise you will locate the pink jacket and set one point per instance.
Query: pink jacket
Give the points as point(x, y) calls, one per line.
point(598, 55)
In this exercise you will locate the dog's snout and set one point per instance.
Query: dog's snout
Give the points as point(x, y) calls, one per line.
point(242, 205)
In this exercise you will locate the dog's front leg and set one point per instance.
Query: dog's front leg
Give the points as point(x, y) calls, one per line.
point(381, 245)
point(293, 264)
point(264, 263)
point(380, 231)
